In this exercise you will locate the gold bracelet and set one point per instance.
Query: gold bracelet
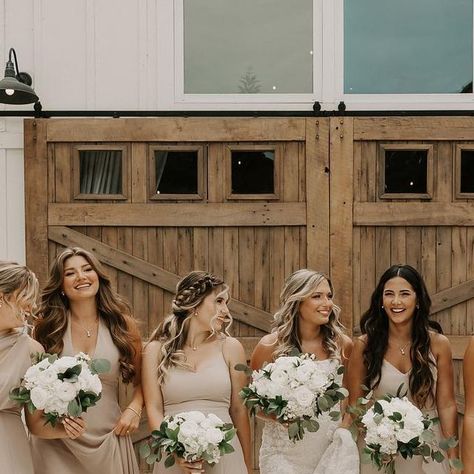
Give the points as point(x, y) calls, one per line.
point(138, 413)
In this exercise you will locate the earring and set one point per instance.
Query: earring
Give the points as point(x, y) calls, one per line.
point(1, 301)
point(417, 306)
point(383, 307)
point(62, 293)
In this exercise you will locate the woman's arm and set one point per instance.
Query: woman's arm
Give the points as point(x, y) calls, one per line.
point(235, 354)
point(346, 351)
point(445, 398)
point(468, 425)
point(354, 377)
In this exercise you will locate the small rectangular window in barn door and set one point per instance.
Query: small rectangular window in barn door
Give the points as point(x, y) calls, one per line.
point(100, 172)
point(252, 171)
point(464, 171)
point(176, 172)
point(405, 171)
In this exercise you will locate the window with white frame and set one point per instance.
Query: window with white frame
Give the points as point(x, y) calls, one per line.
point(265, 54)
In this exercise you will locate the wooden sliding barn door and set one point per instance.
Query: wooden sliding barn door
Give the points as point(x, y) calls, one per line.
point(147, 239)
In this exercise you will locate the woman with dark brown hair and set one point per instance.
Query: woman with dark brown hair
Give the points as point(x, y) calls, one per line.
point(80, 312)
point(401, 345)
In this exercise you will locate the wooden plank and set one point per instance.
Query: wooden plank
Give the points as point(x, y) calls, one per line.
point(382, 250)
point(36, 198)
point(151, 273)
point(170, 263)
point(414, 128)
point(182, 214)
point(63, 172)
point(185, 250)
point(247, 272)
point(443, 271)
point(262, 268)
point(200, 248)
point(155, 294)
point(175, 129)
point(398, 245)
point(139, 173)
point(470, 276)
point(341, 202)
point(414, 247)
point(124, 279)
point(140, 287)
point(452, 296)
point(356, 276)
point(459, 345)
point(317, 194)
point(414, 214)
point(458, 276)
point(367, 269)
point(277, 266)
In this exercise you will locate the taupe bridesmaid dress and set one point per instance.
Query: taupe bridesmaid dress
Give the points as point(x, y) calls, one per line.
point(207, 390)
point(15, 456)
point(391, 379)
point(98, 450)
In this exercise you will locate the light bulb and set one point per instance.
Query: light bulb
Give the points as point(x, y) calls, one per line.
point(9, 91)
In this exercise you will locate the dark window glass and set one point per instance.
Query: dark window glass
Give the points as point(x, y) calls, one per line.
point(252, 172)
point(467, 171)
point(176, 172)
point(406, 171)
point(100, 171)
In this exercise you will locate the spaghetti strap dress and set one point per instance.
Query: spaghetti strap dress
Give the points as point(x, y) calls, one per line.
point(391, 379)
point(15, 456)
point(99, 450)
point(207, 390)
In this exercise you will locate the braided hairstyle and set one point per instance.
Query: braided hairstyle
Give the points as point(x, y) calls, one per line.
point(172, 332)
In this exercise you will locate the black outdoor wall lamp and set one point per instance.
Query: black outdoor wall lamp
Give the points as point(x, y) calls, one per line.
point(15, 87)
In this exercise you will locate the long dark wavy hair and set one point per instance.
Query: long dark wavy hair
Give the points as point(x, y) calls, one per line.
point(52, 322)
point(374, 323)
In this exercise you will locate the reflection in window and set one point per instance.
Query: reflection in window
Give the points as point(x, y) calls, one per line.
point(248, 46)
point(407, 46)
point(176, 172)
point(100, 171)
point(406, 171)
point(253, 172)
point(467, 171)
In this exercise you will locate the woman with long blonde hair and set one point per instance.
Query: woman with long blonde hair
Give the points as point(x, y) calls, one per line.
point(308, 322)
point(80, 312)
point(189, 365)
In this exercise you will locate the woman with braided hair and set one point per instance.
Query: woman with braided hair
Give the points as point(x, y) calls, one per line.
point(189, 365)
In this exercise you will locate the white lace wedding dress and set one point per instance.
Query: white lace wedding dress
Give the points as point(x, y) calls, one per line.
point(279, 455)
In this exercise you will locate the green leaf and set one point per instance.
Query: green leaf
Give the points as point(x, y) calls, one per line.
point(74, 408)
point(456, 464)
point(378, 408)
point(340, 370)
point(226, 448)
point(437, 456)
point(293, 430)
point(311, 425)
point(100, 366)
point(169, 461)
point(323, 403)
point(144, 450)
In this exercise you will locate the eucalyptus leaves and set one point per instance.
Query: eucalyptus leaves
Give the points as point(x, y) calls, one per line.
point(296, 390)
point(64, 386)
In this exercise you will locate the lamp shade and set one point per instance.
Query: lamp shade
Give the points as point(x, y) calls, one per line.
point(12, 91)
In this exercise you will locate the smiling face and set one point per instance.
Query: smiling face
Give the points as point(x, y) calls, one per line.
point(399, 300)
point(213, 313)
point(80, 280)
point(317, 308)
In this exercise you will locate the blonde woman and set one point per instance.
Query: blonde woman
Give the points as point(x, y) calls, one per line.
point(468, 421)
point(18, 293)
point(81, 313)
point(189, 365)
point(308, 321)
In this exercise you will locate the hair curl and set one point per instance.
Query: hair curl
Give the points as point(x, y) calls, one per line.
point(374, 323)
point(20, 279)
point(172, 332)
point(298, 287)
point(52, 323)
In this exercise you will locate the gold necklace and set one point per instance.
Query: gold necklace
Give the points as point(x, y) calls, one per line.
point(403, 348)
point(88, 331)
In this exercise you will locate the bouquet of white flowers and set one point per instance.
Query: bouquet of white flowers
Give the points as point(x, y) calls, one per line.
point(394, 426)
point(190, 435)
point(296, 391)
point(64, 386)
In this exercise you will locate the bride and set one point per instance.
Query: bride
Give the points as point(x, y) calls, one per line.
point(308, 320)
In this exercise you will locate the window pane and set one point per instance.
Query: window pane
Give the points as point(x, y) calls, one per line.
point(252, 172)
point(176, 172)
point(407, 46)
point(248, 46)
point(467, 171)
point(406, 171)
point(100, 171)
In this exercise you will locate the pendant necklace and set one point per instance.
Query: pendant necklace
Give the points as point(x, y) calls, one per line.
point(87, 331)
point(402, 349)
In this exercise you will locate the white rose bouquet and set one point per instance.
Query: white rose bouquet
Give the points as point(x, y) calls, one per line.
point(394, 426)
point(296, 391)
point(190, 435)
point(64, 386)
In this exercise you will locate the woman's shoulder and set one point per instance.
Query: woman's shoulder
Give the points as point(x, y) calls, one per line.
point(439, 344)
point(34, 346)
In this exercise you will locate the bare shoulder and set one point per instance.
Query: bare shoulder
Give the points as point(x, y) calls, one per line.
point(359, 344)
point(35, 346)
point(346, 345)
point(440, 344)
point(232, 344)
point(152, 348)
point(268, 339)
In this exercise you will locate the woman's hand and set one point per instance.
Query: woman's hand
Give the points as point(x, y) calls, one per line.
point(190, 467)
point(74, 427)
point(127, 423)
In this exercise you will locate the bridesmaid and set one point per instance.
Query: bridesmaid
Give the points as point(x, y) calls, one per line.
point(398, 346)
point(308, 320)
point(468, 422)
point(18, 293)
point(81, 313)
point(189, 365)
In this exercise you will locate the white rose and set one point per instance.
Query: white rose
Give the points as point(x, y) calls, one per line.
point(279, 376)
point(56, 406)
point(187, 429)
point(405, 435)
point(64, 363)
point(214, 419)
point(64, 391)
point(214, 435)
point(303, 373)
point(195, 416)
point(304, 396)
point(47, 377)
point(90, 382)
point(39, 397)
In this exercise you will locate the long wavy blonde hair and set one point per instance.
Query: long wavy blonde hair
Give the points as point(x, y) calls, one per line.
point(172, 332)
point(299, 286)
point(113, 310)
point(20, 279)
